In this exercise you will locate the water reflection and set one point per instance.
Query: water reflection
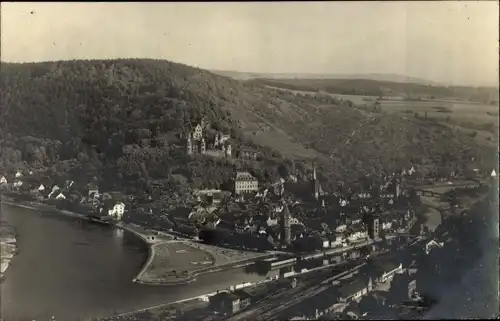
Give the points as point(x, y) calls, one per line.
point(72, 269)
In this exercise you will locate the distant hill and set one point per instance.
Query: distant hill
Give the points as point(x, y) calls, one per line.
point(411, 90)
point(125, 121)
point(379, 77)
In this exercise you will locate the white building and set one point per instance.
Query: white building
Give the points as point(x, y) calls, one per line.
point(245, 183)
point(19, 174)
point(60, 196)
point(431, 245)
point(389, 270)
point(337, 240)
point(54, 191)
point(3, 180)
point(18, 184)
point(357, 235)
point(41, 188)
point(272, 222)
point(386, 225)
point(341, 228)
point(94, 192)
point(117, 210)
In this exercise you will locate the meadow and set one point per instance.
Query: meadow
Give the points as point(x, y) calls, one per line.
point(475, 119)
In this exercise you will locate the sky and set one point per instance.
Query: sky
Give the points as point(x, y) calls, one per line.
point(444, 41)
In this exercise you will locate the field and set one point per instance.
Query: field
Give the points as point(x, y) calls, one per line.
point(177, 260)
point(475, 119)
point(173, 260)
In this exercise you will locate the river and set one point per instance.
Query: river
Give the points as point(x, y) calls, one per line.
point(74, 269)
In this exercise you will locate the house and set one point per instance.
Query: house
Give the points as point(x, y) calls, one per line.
point(246, 153)
point(432, 245)
point(68, 184)
point(216, 198)
point(245, 183)
point(41, 188)
point(341, 228)
point(386, 225)
point(225, 302)
point(336, 240)
point(354, 290)
point(357, 235)
point(18, 184)
point(245, 298)
point(386, 270)
point(117, 210)
point(54, 191)
point(19, 174)
point(60, 196)
point(3, 180)
point(93, 191)
point(271, 222)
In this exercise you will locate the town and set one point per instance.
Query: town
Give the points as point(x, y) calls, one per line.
point(300, 226)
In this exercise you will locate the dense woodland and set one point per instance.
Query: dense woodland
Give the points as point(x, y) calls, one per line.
point(125, 121)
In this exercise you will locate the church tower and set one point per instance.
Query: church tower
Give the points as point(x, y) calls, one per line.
point(285, 225)
point(189, 146)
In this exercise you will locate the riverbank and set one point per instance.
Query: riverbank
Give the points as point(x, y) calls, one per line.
point(175, 261)
point(170, 261)
point(8, 247)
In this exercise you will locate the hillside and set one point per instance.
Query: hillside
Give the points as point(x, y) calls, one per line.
point(371, 87)
point(377, 77)
point(124, 121)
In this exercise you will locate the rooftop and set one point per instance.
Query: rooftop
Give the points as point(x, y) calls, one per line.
point(387, 266)
point(352, 288)
point(225, 296)
point(242, 294)
point(244, 176)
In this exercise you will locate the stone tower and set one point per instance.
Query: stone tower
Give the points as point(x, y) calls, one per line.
point(203, 146)
point(285, 226)
point(189, 145)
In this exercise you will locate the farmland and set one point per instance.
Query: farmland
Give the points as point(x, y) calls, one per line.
point(475, 119)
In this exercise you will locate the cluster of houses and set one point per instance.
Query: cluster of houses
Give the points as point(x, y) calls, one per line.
point(339, 298)
point(64, 195)
point(319, 218)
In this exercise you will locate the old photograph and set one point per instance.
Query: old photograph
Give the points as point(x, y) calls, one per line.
point(206, 161)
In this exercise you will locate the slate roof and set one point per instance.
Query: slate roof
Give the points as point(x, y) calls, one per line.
point(387, 266)
point(244, 176)
point(242, 294)
point(226, 296)
point(349, 289)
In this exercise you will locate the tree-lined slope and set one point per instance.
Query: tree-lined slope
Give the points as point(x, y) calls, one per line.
point(124, 121)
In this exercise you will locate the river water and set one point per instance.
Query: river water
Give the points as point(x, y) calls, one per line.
point(73, 269)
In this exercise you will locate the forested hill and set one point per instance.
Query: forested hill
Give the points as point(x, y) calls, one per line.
point(124, 121)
